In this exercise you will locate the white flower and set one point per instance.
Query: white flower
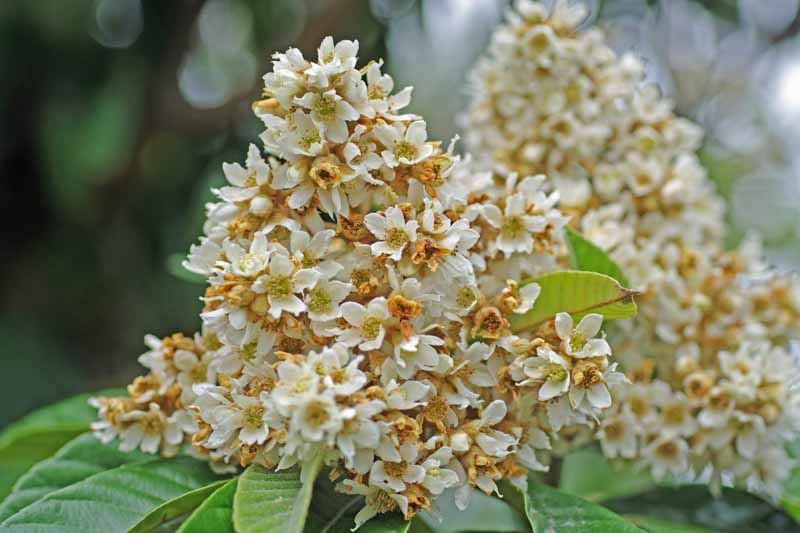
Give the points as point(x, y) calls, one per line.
point(193, 369)
point(417, 353)
point(305, 138)
point(323, 301)
point(527, 297)
point(493, 441)
point(332, 60)
point(367, 331)
point(392, 231)
point(437, 477)
point(361, 156)
point(245, 183)
point(718, 407)
point(516, 226)
point(330, 114)
point(592, 391)
point(406, 395)
point(243, 418)
point(403, 145)
point(294, 380)
point(315, 417)
point(677, 418)
point(360, 430)
point(311, 252)
point(282, 285)
point(666, 455)
point(618, 436)
point(152, 430)
point(394, 475)
point(579, 342)
point(550, 369)
point(249, 263)
point(378, 500)
point(339, 372)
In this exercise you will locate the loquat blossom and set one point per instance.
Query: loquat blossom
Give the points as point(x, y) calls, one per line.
point(359, 305)
point(550, 97)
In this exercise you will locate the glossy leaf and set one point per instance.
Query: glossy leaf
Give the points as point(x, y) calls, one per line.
point(585, 255)
point(41, 433)
point(115, 500)
point(791, 492)
point(693, 505)
point(657, 525)
point(577, 293)
point(264, 500)
point(549, 510)
point(484, 514)
point(215, 513)
point(80, 458)
point(588, 474)
point(175, 507)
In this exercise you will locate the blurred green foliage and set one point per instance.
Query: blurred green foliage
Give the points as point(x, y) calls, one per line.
point(106, 168)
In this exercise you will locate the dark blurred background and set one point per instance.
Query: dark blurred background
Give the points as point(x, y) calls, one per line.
point(115, 117)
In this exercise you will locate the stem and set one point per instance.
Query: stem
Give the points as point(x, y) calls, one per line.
point(553, 476)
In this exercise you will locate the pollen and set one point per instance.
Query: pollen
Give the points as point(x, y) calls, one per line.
point(381, 501)
point(325, 108)
point(254, 415)
point(319, 300)
point(279, 287)
point(371, 328)
point(396, 238)
point(405, 150)
point(465, 297)
point(316, 413)
point(513, 227)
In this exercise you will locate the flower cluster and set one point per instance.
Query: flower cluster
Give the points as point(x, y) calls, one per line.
point(359, 307)
point(709, 350)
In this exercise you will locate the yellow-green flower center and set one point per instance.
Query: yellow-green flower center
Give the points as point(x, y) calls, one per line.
point(199, 372)
point(513, 227)
point(577, 342)
point(371, 328)
point(465, 297)
point(555, 372)
point(316, 413)
point(325, 108)
point(254, 415)
point(279, 287)
point(319, 300)
point(406, 150)
point(248, 351)
point(310, 137)
point(396, 237)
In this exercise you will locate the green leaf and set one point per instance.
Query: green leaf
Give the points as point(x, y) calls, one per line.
point(550, 510)
point(791, 492)
point(175, 507)
point(263, 501)
point(585, 255)
point(693, 505)
point(588, 474)
point(577, 293)
point(657, 525)
point(484, 514)
point(334, 512)
point(268, 501)
point(215, 514)
point(115, 500)
point(41, 433)
point(80, 458)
